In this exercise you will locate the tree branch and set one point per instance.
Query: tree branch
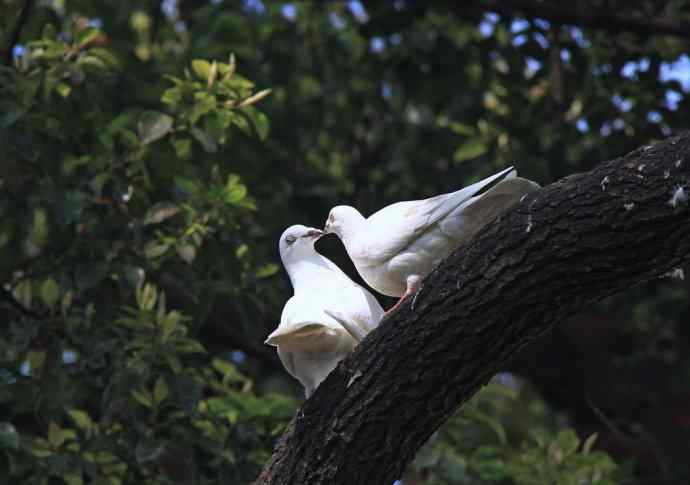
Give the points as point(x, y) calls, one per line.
point(593, 18)
point(563, 247)
point(16, 32)
point(7, 297)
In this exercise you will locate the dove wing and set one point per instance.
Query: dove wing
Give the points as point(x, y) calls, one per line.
point(483, 208)
point(395, 227)
point(288, 361)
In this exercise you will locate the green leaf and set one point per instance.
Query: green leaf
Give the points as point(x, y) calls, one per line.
point(154, 249)
point(147, 451)
point(81, 419)
point(201, 68)
point(172, 96)
point(170, 324)
point(261, 125)
point(50, 292)
point(36, 359)
point(41, 448)
point(73, 479)
point(205, 103)
point(160, 390)
point(63, 89)
point(9, 438)
point(57, 435)
point(468, 151)
point(475, 414)
point(258, 120)
point(234, 191)
point(105, 56)
point(189, 346)
point(142, 397)
point(183, 148)
point(191, 187)
point(147, 297)
point(487, 464)
point(206, 140)
point(228, 371)
point(153, 126)
point(568, 441)
point(23, 292)
point(160, 212)
point(266, 270)
point(86, 36)
point(461, 129)
point(91, 64)
point(241, 251)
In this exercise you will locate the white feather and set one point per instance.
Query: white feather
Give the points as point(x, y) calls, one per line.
point(311, 342)
point(400, 244)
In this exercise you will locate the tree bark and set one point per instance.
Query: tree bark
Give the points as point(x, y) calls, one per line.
point(561, 248)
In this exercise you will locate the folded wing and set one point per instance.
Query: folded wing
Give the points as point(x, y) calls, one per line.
point(395, 227)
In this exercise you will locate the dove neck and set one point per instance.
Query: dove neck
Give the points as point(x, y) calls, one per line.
point(351, 231)
point(312, 272)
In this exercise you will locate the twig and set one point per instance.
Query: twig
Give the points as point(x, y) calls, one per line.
point(8, 297)
point(14, 38)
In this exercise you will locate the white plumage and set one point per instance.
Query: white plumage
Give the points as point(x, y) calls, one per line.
point(309, 340)
point(400, 244)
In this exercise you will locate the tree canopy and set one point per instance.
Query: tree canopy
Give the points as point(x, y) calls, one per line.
point(152, 152)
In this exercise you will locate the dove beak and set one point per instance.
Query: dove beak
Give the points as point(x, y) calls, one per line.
point(314, 233)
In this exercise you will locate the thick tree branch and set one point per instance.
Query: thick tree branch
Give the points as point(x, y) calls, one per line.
point(563, 247)
point(592, 18)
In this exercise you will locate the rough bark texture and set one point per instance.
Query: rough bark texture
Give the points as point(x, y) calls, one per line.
point(563, 247)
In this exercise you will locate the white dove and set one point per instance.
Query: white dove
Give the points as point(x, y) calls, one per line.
point(400, 244)
point(325, 318)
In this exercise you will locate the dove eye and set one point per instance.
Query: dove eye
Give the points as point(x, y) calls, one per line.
point(290, 239)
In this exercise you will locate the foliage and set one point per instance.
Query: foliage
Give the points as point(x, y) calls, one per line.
point(490, 441)
point(141, 196)
point(124, 391)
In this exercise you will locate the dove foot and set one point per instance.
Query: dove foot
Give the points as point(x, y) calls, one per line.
point(413, 284)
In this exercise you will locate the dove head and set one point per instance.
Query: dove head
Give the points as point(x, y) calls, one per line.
point(344, 221)
point(297, 242)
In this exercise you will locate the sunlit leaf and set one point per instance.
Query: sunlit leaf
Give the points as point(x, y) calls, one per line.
point(186, 252)
point(81, 419)
point(9, 438)
point(85, 36)
point(160, 212)
point(202, 68)
point(154, 249)
point(469, 150)
point(142, 397)
point(154, 126)
point(267, 270)
point(50, 292)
